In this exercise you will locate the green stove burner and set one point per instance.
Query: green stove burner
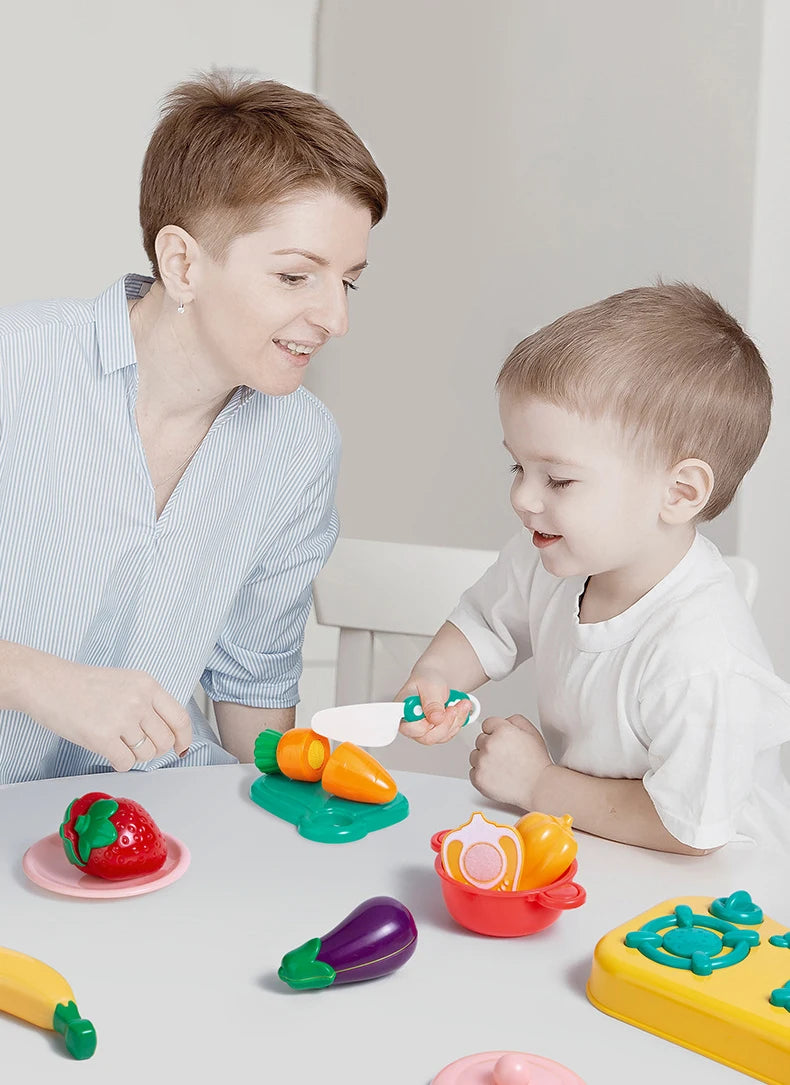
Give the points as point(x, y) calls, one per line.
point(694, 942)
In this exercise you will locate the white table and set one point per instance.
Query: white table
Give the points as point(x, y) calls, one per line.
point(181, 984)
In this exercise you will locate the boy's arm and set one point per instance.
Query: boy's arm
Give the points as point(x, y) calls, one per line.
point(449, 662)
point(511, 764)
point(619, 810)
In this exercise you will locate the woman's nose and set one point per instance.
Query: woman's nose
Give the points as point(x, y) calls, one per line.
point(332, 313)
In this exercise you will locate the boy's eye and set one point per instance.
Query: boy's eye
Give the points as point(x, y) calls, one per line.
point(291, 280)
point(349, 285)
point(559, 483)
point(514, 468)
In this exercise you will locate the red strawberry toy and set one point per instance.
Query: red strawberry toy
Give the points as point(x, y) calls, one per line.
point(112, 838)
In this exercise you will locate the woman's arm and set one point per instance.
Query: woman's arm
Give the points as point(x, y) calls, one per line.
point(104, 709)
point(239, 725)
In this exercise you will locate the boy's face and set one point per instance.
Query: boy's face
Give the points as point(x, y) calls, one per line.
point(592, 506)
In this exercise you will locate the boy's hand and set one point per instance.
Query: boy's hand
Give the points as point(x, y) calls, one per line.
point(508, 758)
point(439, 724)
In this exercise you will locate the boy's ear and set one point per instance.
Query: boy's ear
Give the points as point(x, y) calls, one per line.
point(688, 492)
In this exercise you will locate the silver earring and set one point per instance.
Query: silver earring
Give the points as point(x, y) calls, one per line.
point(181, 307)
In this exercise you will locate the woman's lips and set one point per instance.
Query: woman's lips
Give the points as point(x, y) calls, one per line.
point(542, 541)
point(299, 360)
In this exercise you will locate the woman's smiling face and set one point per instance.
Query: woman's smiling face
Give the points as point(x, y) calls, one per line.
point(261, 314)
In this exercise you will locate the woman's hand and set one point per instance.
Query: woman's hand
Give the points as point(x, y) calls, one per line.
point(508, 760)
point(439, 724)
point(123, 715)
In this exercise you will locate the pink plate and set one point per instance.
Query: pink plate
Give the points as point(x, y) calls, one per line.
point(506, 1068)
point(45, 863)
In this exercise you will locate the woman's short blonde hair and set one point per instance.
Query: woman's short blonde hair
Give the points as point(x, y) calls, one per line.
point(669, 366)
point(228, 148)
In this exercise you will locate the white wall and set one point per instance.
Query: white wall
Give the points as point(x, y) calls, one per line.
point(540, 156)
point(764, 523)
point(80, 85)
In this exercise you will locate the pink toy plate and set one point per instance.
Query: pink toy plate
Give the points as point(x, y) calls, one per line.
point(45, 863)
point(506, 1068)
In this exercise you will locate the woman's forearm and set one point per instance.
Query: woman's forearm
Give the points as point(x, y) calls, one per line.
point(22, 669)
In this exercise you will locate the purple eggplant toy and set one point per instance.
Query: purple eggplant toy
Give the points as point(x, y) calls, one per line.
point(375, 939)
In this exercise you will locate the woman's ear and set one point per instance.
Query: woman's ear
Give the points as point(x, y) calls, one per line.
point(176, 251)
point(688, 492)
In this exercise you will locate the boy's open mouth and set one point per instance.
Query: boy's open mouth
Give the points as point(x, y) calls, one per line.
point(541, 541)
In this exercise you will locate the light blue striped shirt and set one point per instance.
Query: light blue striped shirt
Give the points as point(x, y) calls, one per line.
point(216, 590)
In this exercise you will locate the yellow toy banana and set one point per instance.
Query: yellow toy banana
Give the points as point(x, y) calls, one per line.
point(37, 993)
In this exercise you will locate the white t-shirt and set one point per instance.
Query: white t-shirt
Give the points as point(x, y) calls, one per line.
point(677, 691)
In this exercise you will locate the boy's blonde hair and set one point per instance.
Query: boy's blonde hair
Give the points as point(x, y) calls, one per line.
point(229, 148)
point(668, 365)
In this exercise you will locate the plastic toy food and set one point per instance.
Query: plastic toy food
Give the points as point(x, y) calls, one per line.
point(549, 848)
point(484, 854)
point(376, 938)
point(34, 992)
point(352, 773)
point(506, 915)
point(299, 754)
point(506, 1068)
point(349, 772)
point(112, 838)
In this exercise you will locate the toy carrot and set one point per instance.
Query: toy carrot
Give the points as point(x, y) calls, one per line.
point(352, 773)
point(299, 754)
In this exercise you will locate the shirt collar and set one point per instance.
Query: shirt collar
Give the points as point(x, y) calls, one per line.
point(113, 330)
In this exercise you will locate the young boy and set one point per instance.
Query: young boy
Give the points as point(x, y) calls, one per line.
point(629, 422)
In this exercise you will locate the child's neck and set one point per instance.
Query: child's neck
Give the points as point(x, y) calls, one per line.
point(608, 594)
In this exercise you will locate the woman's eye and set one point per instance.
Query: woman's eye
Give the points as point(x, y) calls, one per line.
point(349, 285)
point(514, 468)
point(291, 280)
point(559, 483)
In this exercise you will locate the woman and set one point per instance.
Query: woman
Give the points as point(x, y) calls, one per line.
point(167, 486)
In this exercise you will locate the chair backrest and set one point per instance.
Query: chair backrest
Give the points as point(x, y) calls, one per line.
point(370, 587)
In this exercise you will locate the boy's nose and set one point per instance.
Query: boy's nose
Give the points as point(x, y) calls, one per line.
point(526, 497)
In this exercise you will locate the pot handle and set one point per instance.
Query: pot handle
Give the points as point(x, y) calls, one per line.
point(437, 838)
point(569, 895)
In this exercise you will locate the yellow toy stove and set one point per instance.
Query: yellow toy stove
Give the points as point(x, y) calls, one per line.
point(712, 975)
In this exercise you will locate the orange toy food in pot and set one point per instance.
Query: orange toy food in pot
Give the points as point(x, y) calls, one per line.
point(484, 854)
point(549, 848)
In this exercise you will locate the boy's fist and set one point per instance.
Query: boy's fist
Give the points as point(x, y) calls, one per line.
point(508, 758)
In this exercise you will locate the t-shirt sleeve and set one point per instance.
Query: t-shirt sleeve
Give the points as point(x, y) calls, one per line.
point(257, 660)
point(493, 614)
point(705, 733)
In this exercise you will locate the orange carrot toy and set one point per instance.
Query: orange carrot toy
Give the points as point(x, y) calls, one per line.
point(299, 754)
point(351, 773)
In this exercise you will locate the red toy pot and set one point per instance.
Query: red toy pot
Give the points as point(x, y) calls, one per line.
point(507, 914)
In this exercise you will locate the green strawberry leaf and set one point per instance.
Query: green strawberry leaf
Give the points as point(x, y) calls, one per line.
point(94, 828)
point(68, 847)
point(301, 970)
